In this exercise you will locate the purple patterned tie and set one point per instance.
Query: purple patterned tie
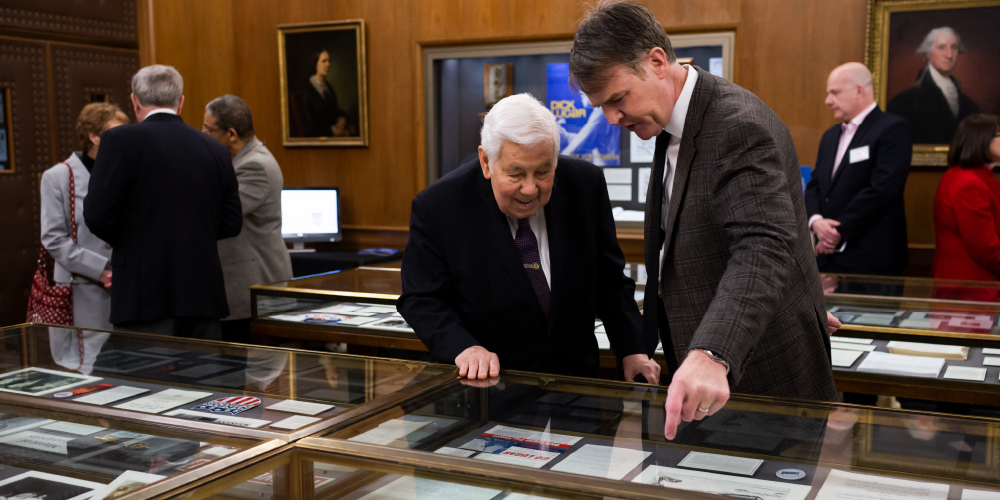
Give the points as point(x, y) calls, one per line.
point(527, 246)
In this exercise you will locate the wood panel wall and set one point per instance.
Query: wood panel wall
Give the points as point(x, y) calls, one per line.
point(54, 56)
point(784, 52)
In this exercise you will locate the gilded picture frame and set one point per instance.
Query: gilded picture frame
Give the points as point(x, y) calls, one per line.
point(324, 84)
point(896, 34)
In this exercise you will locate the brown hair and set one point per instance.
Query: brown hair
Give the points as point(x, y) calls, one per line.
point(614, 33)
point(94, 119)
point(970, 148)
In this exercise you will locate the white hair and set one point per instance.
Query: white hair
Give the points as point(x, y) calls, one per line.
point(158, 85)
point(925, 48)
point(520, 119)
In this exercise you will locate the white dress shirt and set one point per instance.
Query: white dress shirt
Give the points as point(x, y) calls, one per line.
point(947, 87)
point(675, 127)
point(538, 227)
point(846, 137)
point(161, 110)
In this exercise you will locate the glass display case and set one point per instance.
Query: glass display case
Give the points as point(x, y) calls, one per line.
point(914, 289)
point(58, 455)
point(755, 447)
point(235, 389)
point(343, 470)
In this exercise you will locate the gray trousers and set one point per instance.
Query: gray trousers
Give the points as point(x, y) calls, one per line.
point(189, 328)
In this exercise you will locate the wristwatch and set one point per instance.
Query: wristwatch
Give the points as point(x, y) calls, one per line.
point(715, 357)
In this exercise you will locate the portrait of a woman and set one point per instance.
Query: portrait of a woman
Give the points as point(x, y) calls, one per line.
point(323, 84)
point(321, 115)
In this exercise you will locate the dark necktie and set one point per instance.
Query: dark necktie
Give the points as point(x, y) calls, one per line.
point(527, 247)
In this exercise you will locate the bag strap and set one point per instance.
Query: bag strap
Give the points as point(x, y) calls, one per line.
point(72, 202)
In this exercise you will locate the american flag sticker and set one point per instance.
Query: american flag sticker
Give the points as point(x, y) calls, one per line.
point(231, 405)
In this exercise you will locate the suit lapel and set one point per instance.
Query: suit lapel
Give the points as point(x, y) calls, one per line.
point(498, 232)
point(859, 137)
point(700, 98)
point(556, 221)
point(824, 171)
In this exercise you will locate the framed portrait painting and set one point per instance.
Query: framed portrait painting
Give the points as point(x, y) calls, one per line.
point(324, 88)
point(933, 63)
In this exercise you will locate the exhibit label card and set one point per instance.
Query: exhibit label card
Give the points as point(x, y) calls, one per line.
point(294, 422)
point(844, 358)
point(850, 340)
point(706, 482)
point(970, 373)
point(252, 423)
point(71, 428)
point(991, 350)
point(411, 488)
point(602, 461)
point(111, 395)
point(390, 431)
point(840, 485)
point(976, 495)
point(721, 463)
point(163, 401)
point(991, 361)
point(38, 441)
point(455, 452)
point(303, 407)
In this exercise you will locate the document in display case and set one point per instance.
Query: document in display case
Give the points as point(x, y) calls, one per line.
point(270, 393)
point(56, 455)
point(757, 446)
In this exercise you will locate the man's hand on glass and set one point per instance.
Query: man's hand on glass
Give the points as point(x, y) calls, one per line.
point(640, 364)
point(477, 363)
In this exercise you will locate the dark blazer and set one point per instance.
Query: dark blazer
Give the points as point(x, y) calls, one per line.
point(739, 276)
point(464, 283)
point(866, 197)
point(319, 113)
point(162, 194)
point(924, 106)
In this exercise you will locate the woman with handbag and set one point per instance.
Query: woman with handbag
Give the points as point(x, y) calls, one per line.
point(81, 259)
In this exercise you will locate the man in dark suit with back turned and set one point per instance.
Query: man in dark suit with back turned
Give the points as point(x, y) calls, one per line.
point(738, 301)
point(511, 257)
point(855, 196)
point(162, 194)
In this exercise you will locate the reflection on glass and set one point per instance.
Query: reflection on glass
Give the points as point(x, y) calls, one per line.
point(751, 447)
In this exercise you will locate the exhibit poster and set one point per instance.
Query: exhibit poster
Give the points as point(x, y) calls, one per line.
point(584, 132)
point(33, 484)
point(39, 381)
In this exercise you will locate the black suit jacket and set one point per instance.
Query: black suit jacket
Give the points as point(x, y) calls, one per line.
point(464, 283)
point(924, 106)
point(163, 194)
point(866, 197)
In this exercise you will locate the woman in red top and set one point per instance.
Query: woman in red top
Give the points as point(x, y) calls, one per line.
point(967, 204)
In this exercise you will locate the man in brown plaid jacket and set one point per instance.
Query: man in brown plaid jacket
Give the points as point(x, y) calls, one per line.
point(733, 290)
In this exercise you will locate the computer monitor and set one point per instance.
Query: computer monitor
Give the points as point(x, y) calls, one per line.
point(310, 214)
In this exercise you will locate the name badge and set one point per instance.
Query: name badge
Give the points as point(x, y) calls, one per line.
point(859, 154)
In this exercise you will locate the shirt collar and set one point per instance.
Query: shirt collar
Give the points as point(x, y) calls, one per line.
point(161, 110)
point(675, 126)
point(939, 79)
point(863, 114)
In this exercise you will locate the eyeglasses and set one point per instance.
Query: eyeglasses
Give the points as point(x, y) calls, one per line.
point(206, 128)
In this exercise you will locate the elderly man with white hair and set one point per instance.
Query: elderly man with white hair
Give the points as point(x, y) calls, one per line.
point(162, 194)
point(935, 104)
point(511, 258)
